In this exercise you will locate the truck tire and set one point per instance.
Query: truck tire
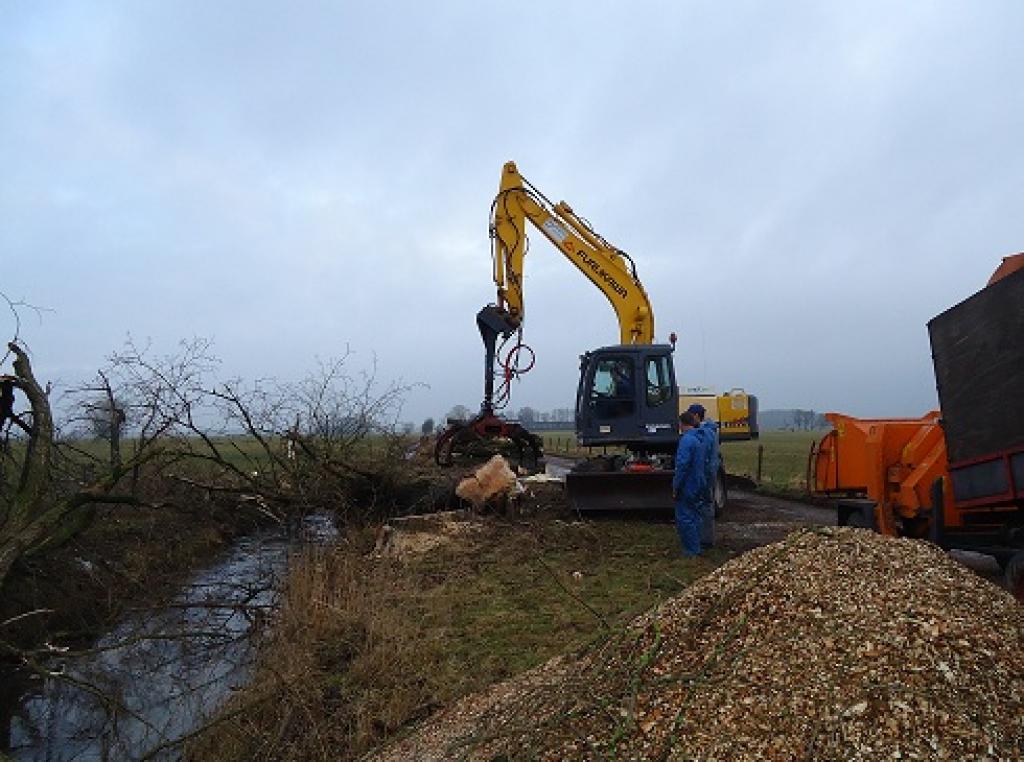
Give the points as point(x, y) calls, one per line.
point(720, 494)
point(1015, 576)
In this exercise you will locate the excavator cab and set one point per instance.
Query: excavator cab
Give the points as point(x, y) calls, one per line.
point(627, 395)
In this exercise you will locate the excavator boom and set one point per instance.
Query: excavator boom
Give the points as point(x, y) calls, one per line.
point(610, 413)
point(607, 267)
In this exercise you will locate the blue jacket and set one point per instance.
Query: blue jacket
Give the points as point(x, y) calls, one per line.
point(689, 478)
point(710, 431)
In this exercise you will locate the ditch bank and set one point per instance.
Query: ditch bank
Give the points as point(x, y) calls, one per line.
point(93, 629)
point(119, 642)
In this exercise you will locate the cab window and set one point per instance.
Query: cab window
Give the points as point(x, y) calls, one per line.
point(659, 381)
point(612, 391)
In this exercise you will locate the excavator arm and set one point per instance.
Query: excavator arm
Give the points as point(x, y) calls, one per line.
point(608, 268)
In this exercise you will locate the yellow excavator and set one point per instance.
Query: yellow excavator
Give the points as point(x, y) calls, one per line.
point(627, 393)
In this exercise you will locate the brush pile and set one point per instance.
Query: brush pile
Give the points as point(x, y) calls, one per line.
point(834, 643)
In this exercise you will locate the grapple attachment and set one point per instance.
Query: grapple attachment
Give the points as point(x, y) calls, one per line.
point(483, 431)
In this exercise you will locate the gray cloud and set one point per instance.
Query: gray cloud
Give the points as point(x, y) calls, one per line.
point(802, 185)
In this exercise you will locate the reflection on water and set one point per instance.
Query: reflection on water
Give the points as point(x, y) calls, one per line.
point(155, 678)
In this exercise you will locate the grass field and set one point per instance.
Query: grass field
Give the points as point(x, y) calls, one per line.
point(564, 443)
point(783, 461)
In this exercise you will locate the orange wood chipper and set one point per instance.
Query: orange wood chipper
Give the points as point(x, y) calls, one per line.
point(956, 477)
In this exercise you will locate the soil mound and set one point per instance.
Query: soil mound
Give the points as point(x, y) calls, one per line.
point(834, 643)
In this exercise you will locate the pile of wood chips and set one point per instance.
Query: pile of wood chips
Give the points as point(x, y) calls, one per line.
point(834, 643)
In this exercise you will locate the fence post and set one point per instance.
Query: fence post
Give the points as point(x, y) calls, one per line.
point(810, 475)
point(760, 462)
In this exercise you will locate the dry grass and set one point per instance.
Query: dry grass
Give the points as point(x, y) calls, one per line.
point(366, 644)
point(342, 667)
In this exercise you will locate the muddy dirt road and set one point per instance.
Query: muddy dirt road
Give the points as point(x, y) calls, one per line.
point(751, 519)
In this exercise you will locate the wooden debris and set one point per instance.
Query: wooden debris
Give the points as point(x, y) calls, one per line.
point(493, 482)
point(834, 643)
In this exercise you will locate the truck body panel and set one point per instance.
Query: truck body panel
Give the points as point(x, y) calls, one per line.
point(978, 353)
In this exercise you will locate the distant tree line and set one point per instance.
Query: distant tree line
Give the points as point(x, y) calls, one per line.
point(525, 415)
point(795, 419)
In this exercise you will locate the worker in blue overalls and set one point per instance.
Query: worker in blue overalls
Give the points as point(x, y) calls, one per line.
point(688, 484)
point(708, 430)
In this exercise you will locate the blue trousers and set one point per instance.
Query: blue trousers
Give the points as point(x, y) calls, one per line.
point(707, 525)
point(688, 523)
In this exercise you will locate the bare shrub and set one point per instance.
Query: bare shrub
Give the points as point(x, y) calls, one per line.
point(327, 442)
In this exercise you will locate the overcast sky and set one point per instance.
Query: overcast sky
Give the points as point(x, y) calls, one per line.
point(802, 185)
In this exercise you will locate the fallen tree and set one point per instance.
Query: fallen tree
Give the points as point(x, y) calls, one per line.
point(34, 513)
point(177, 437)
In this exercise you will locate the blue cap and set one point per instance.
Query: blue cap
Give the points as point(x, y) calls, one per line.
point(696, 410)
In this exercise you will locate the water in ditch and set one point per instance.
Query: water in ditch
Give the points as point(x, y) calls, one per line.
point(160, 674)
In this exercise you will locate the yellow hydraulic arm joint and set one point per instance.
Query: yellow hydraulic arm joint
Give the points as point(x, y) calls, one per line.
point(607, 267)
